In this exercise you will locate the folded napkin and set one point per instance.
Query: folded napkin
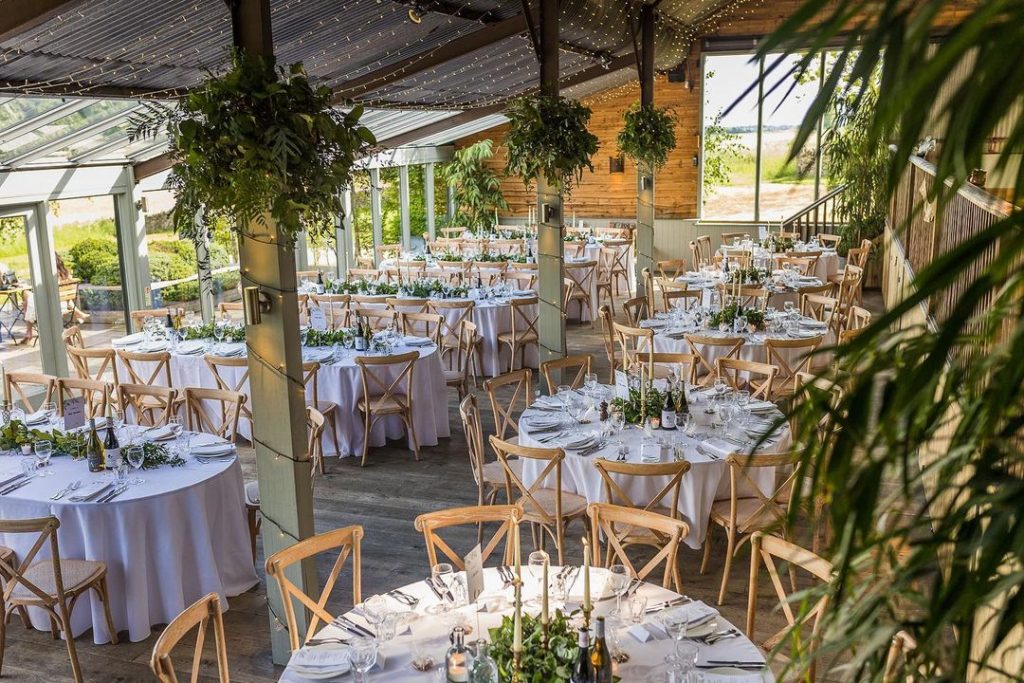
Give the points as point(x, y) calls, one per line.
point(228, 350)
point(162, 433)
point(417, 341)
point(695, 613)
point(760, 406)
point(523, 292)
point(37, 417)
point(645, 632)
point(213, 450)
point(91, 491)
point(580, 442)
point(129, 339)
point(542, 422)
point(317, 355)
point(192, 347)
point(805, 334)
point(152, 347)
point(548, 402)
point(322, 658)
point(720, 447)
point(649, 324)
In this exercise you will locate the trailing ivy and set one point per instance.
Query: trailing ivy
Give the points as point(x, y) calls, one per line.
point(548, 137)
point(258, 141)
point(648, 136)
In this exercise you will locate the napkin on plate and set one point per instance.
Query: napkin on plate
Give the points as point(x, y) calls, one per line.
point(91, 491)
point(191, 347)
point(228, 350)
point(548, 402)
point(760, 406)
point(417, 341)
point(317, 355)
point(580, 442)
point(129, 339)
point(152, 347)
point(214, 450)
point(720, 447)
point(543, 422)
point(162, 433)
point(38, 417)
point(321, 659)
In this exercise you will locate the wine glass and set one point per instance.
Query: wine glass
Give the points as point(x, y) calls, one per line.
point(364, 657)
point(538, 558)
point(590, 381)
point(136, 457)
point(618, 420)
point(618, 581)
point(375, 609)
point(49, 409)
point(43, 450)
point(218, 333)
point(441, 575)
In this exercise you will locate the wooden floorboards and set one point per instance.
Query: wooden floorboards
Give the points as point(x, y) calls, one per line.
point(384, 498)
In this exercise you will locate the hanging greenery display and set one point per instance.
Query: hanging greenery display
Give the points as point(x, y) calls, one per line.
point(258, 141)
point(649, 135)
point(548, 138)
point(477, 188)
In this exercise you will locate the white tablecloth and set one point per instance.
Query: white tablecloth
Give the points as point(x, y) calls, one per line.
point(167, 542)
point(706, 482)
point(753, 348)
point(339, 383)
point(645, 659)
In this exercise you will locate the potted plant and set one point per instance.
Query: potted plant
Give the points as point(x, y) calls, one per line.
point(476, 187)
point(548, 137)
point(647, 137)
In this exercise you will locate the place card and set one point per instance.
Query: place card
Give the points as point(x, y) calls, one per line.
point(474, 573)
point(317, 320)
point(621, 384)
point(74, 413)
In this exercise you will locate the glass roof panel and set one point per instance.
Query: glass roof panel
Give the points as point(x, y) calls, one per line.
point(20, 109)
point(62, 127)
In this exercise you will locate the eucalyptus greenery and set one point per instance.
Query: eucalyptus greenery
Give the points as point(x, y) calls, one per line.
point(552, 664)
point(258, 141)
point(634, 409)
point(933, 547)
point(476, 187)
point(649, 134)
point(548, 138)
point(232, 333)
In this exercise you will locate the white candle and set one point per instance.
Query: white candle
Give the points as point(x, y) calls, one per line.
point(586, 575)
point(544, 601)
point(3, 380)
point(574, 218)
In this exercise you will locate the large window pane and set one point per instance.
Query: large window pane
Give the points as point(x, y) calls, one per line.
point(18, 348)
point(362, 220)
point(730, 140)
point(786, 186)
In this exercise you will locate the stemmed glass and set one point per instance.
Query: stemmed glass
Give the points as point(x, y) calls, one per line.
point(590, 382)
point(442, 573)
point(219, 329)
point(538, 558)
point(618, 581)
point(364, 657)
point(43, 451)
point(375, 609)
point(136, 456)
point(49, 408)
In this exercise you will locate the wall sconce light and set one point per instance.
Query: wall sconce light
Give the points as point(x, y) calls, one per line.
point(616, 164)
point(646, 182)
point(254, 304)
point(696, 160)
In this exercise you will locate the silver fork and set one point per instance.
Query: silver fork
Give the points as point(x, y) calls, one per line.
point(66, 490)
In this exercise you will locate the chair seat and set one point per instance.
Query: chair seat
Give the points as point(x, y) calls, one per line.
point(75, 574)
point(384, 405)
point(521, 337)
point(750, 514)
point(453, 377)
point(494, 473)
point(572, 505)
point(252, 494)
point(326, 407)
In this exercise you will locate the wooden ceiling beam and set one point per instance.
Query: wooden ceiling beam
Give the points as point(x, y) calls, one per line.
point(19, 16)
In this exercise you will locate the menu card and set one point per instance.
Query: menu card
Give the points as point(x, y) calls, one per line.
point(317, 320)
point(474, 573)
point(74, 413)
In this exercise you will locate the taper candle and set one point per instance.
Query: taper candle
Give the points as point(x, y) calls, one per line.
point(3, 380)
point(544, 600)
point(517, 635)
point(586, 575)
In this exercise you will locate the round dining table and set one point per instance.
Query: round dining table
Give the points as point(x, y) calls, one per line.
point(825, 267)
point(644, 642)
point(780, 290)
point(168, 541)
point(704, 446)
point(338, 381)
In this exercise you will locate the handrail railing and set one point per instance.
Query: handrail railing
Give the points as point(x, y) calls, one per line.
point(817, 217)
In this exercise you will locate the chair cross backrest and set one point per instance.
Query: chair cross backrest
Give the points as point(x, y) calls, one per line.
point(637, 345)
point(580, 362)
point(19, 382)
point(685, 365)
point(379, 386)
point(687, 299)
point(72, 336)
point(671, 268)
point(527, 495)
point(452, 314)
point(409, 304)
point(97, 394)
point(821, 308)
point(705, 370)
point(580, 278)
point(607, 519)
point(521, 383)
point(759, 378)
point(636, 310)
point(525, 314)
point(200, 419)
point(81, 361)
point(431, 523)
point(427, 325)
point(781, 354)
point(377, 318)
point(14, 573)
point(335, 308)
point(770, 508)
point(348, 542)
point(197, 616)
point(152, 405)
point(612, 471)
point(157, 375)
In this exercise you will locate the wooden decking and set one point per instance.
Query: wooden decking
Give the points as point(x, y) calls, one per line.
point(384, 497)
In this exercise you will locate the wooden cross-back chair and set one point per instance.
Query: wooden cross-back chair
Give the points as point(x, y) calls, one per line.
point(574, 249)
point(765, 549)
point(798, 256)
point(387, 383)
point(688, 299)
point(579, 278)
point(362, 273)
point(788, 235)
point(385, 251)
point(458, 375)
point(636, 310)
point(377, 318)
point(608, 337)
point(704, 248)
point(335, 308)
point(139, 315)
point(695, 255)
point(489, 476)
point(829, 240)
point(453, 233)
point(706, 371)
point(621, 266)
point(94, 363)
point(408, 304)
point(636, 345)
point(197, 616)
point(233, 310)
point(488, 273)
point(453, 313)
point(749, 509)
point(411, 271)
point(328, 409)
point(758, 378)
point(153, 406)
point(509, 247)
point(848, 290)
point(790, 357)
point(365, 301)
point(97, 394)
point(426, 325)
point(684, 365)
point(523, 330)
point(456, 271)
point(347, 541)
point(605, 278)
point(506, 421)
point(822, 308)
point(53, 585)
point(20, 385)
point(728, 237)
point(430, 525)
point(804, 266)
point(607, 520)
point(218, 366)
point(751, 296)
point(671, 269)
point(520, 279)
point(229, 404)
point(647, 280)
point(72, 336)
point(158, 375)
point(580, 363)
point(548, 509)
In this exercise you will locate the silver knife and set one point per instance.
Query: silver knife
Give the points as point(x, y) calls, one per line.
point(113, 494)
point(16, 486)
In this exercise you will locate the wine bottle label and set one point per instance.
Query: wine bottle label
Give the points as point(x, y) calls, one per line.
point(668, 419)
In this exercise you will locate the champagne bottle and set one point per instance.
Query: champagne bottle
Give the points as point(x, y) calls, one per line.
point(682, 407)
point(94, 448)
point(360, 339)
point(456, 661)
point(170, 321)
point(111, 446)
point(600, 658)
point(582, 670)
point(668, 411)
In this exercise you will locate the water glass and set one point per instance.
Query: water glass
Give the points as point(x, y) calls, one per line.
point(538, 558)
point(29, 467)
point(637, 608)
point(43, 451)
point(136, 456)
point(590, 381)
point(364, 657)
point(618, 581)
point(441, 573)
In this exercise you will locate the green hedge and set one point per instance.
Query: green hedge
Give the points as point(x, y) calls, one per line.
point(89, 255)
